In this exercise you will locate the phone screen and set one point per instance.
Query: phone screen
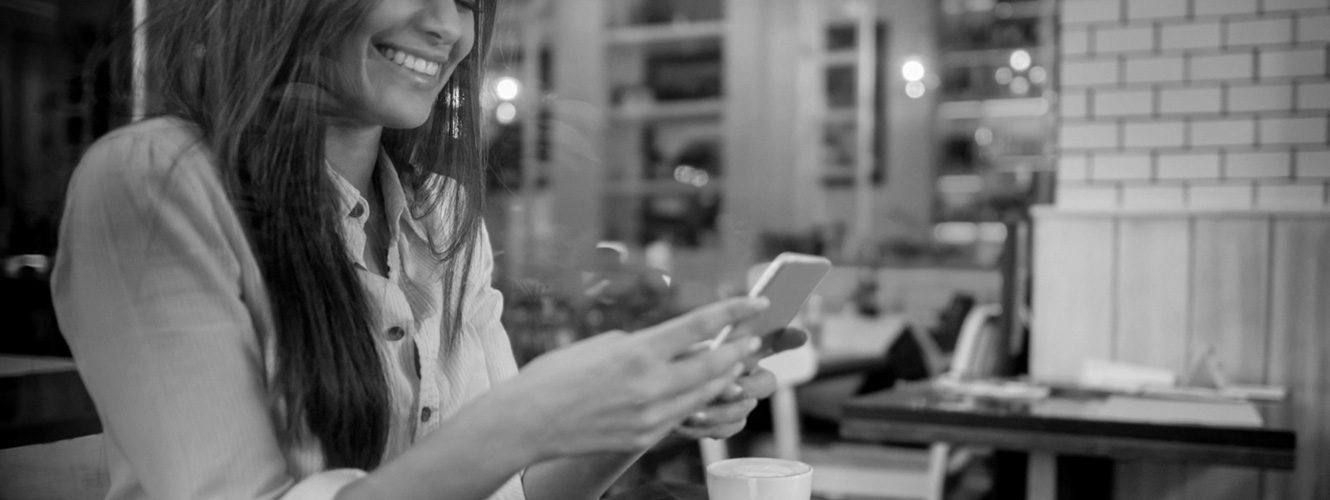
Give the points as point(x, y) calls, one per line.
point(787, 283)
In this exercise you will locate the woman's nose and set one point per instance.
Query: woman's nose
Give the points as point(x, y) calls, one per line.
point(442, 21)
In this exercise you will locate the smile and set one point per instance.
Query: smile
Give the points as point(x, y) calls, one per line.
point(409, 61)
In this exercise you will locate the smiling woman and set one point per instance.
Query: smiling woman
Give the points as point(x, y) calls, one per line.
point(278, 286)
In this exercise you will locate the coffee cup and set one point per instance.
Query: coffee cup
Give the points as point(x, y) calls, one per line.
point(759, 479)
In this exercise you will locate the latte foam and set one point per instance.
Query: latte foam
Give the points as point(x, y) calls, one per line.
point(758, 468)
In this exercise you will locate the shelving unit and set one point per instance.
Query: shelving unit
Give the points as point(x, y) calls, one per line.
point(697, 109)
point(665, 34)
point(994, 120)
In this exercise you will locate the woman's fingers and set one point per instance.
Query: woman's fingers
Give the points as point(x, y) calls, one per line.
point(688, 403)
point(677, 335)
point(722, 414)
point(725, 362)
point(757, 384)
point(713, 431)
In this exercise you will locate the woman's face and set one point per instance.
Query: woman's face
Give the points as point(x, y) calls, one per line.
point(402, 54)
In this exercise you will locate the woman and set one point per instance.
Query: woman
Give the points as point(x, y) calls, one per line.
point(279, 287)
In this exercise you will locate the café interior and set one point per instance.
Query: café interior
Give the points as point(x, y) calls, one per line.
point(1080, 248)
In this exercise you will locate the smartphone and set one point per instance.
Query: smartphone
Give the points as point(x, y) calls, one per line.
point(787, 283)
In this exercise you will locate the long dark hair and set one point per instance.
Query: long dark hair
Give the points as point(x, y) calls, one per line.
point(257, 80)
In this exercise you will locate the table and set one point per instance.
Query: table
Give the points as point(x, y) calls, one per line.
point(43, 400)
point(1068, 429)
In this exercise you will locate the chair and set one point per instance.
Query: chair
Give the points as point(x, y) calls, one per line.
point(847, 469)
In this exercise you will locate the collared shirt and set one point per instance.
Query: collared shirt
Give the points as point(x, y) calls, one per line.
point(161, 300)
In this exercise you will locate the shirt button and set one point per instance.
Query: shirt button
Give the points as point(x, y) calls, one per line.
point(396, 333)
point(425, 414)
point(358, 210)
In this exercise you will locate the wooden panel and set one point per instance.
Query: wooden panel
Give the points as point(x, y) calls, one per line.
point(1218, 483)
point(1152, 271)
point(1229, 317)
point(1153, 275)
point(1072, 295)
point(1300, 349)
point(1230, 295)
point(1142, 481)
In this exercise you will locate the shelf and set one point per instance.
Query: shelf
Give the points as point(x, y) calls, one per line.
point(1030, 107)
point(843, 57)
point(1039, 55)
point(671, 110)
point(842, 115)
point(640, 35)
point(662, 187)
point(1019, 10)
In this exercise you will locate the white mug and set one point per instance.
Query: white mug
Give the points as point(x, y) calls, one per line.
point(759, 479)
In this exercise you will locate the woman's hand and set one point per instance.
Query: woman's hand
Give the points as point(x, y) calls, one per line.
point(622, 392)
point(726, 415)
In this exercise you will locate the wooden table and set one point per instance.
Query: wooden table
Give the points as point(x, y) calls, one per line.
point(1072, 443)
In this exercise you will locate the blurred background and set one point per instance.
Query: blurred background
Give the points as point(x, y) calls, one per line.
point(1143, 181)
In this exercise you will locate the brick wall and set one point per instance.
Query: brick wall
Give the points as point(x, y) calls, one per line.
point(1194, 104)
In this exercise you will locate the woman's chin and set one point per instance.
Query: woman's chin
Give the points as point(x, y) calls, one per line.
point(405, 120)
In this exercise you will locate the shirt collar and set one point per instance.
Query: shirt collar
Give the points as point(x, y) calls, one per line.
point(394, 196)
point(395, 202)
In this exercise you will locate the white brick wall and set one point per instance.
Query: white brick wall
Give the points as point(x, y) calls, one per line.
point(1257, 165)
point(1189, 166)
point(1154, 134)
point(1314, 96)
point(1125, 167)
point(1074, 103)
point(1191, 100)
point(1081, 73)
point(1075, 42)
point(1221, 196)
point(1085, 136)
point(1221, 7)
point(1293, 131)
point(1260, 98)
point(1156, 9)
point(1194, 104)
point(1124, 102)
point(1290, 196)
point(1260, 32)
point(1238, 66)
point(1126, 39)
point(1313, 164)
point(1314, 28)
point(1073, 168)
point(1237, 131)
point(1156, 197)
point(1091, 11)
point(1077, 197)
point(1302, 62)
point(1278, 5)
point(1155, 69)
point(1190, 36)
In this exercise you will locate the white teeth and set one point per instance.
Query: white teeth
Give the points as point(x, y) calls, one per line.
point(411, 62)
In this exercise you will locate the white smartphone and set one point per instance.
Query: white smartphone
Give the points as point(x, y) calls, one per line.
point(787, 283)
